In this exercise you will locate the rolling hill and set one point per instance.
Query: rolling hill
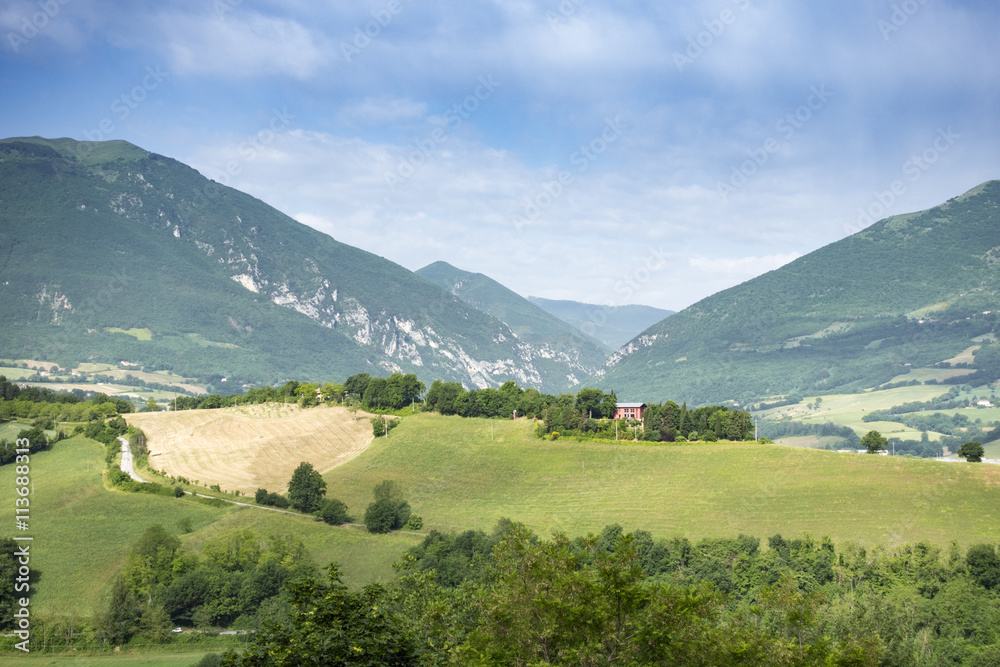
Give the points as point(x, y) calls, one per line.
point(99, 241)
point(908, 292)
point(612, 325)
point(564, 344)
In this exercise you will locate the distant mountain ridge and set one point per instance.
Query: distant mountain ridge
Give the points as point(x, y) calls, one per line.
point(908, 291)
point(101, 237)
point(614, 326)
point(558, 340)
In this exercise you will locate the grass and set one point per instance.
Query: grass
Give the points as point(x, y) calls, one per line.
point(849, 409)
point(252, 447)
point(811, 441)
point(185, 659)
point(456, 478)
point(82, 531)
point(138, 334)
point(365, 558)
point(9, 430)
point(13, 373)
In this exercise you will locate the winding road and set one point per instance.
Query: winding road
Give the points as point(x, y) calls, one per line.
point(127, 460)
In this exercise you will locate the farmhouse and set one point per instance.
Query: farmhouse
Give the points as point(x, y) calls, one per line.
point(630, 411)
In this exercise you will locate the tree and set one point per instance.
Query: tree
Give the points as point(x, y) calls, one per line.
point(332, 625)
point(873, 442)
point(380, 516)
point(306, 488)
point(389, 511)
point(333, 512)
point(119, 622)
point(972, 452)
point(151, 405)
point(984, 565)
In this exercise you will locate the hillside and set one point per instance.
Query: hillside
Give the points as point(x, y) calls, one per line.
point(103, 239)
point(253, 447)
point(614, 326)
point(910, 291)
point(462, 473)
point(84, 530)
point(565, 343)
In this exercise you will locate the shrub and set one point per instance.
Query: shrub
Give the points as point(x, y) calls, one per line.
point(380, 517)
point(178, 492)
point(415, 522)
point(333, 512)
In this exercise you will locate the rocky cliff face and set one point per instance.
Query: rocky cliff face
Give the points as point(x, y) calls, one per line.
point(208, 242)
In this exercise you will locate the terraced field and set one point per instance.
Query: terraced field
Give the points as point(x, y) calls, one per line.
point(247, 448)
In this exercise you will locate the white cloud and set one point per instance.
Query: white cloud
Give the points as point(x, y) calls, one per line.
point(245, 44)
point(382, 111)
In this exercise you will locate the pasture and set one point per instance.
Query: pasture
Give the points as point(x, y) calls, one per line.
point(250, 447)
point(456, 477)
point(81, 530)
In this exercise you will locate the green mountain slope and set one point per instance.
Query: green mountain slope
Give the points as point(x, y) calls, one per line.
point(612, 325)
point(561, 343)
point(97, 236)
point(907, 292)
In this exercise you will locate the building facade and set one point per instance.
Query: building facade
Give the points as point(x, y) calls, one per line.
point(630, 411)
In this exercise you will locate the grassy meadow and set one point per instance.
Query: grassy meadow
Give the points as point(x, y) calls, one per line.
point(456, 477)
point(82, 530)
point(467, 473)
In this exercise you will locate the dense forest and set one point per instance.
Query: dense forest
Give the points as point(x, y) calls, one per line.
point(512, 598)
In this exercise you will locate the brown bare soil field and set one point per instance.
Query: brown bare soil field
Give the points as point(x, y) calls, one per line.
point(252, 447)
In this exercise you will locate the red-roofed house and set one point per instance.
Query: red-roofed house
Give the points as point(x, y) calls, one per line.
point(630, 411)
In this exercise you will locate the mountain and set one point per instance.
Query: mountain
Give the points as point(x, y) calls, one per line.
point(907, 292)
point(612, 325)
point(559, 342)
point(109, 252)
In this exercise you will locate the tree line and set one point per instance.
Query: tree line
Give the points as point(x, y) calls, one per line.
point(616, 598)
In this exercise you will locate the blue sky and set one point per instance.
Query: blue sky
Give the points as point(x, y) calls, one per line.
point(609, 152)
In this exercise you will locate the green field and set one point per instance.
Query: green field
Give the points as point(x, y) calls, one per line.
point(456, 477)
point(849, 409)
point(82, 530)
point(138, 334)
point(185, 659)
point(9, 430)
point(12, 373)
point(811, 441)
